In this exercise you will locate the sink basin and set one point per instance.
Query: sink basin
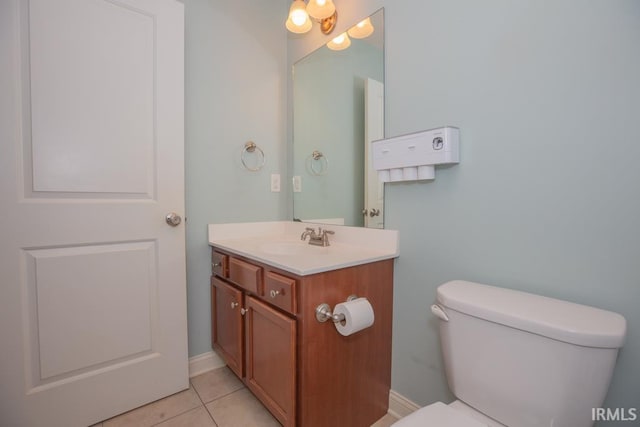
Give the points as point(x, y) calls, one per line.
point(282, 248)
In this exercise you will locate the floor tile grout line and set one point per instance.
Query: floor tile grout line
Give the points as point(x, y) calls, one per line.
point(204, 405)
point(210, 415)
point(224, 395)
point(196, 390)
point(177, 415)
point(183, 412)
point(218, 398)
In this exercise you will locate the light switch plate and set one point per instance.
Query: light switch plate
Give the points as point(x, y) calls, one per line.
point(297, 184)
point(275, 182)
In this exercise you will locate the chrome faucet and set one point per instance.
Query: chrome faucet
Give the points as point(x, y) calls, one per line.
point(321, 238)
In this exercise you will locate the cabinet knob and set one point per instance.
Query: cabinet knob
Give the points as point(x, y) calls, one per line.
point(216, 264)
point(234, 305)
point(274, 293)
point(243, 311)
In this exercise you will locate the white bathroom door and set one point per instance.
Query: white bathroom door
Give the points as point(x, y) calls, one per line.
point(374, 130)
point(93, 295)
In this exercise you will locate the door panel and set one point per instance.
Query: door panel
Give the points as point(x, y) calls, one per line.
point(82, 69)
point(90, 283)
point(93, 293)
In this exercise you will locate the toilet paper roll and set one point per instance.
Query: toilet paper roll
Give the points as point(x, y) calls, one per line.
point(358, 315)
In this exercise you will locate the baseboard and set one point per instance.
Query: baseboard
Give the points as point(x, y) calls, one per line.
point(204, 362)
point(400, 406)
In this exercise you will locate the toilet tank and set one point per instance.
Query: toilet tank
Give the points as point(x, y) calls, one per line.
point(526, 360)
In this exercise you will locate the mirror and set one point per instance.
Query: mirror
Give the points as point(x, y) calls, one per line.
point(338, 108)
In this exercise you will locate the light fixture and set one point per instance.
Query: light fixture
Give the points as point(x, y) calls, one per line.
point(298, 21)
point(339, 43)
point(323, 11)
point(361, 30)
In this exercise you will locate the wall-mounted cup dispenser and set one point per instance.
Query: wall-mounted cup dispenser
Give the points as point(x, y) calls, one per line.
point(413, 157)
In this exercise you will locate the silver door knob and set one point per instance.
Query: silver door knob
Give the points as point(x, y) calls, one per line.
point(374, 212)
point(173, 219)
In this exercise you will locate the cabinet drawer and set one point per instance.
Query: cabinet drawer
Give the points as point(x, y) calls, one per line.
point(280, 291)
point(219, 264)
point(245, 275)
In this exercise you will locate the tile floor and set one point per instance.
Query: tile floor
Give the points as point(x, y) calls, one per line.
point(215, 399)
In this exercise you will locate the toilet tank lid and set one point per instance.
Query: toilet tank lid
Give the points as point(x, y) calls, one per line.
point(560, 320)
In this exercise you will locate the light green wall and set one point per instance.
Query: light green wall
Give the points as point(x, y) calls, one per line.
point(546, 197)
point(235, 91)
point(328, 95)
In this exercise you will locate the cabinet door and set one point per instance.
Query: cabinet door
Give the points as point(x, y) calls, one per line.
point(271, 359)
point(226, 328)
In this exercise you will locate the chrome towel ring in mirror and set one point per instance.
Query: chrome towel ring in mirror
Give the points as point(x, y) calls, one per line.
point(251, 147)
point(317, 163)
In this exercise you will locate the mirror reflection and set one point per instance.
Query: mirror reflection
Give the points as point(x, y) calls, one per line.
point(338, 100)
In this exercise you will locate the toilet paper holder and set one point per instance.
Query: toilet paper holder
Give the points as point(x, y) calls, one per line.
point(324, 312)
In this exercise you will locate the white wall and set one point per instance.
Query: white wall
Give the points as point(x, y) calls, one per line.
point(235, 92)
point(546, 197)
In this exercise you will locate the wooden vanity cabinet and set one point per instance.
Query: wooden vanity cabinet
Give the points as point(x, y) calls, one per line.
point(302, 370)
point(257, 341)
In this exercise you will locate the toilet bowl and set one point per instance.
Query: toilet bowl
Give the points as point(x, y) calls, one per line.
point(496, 340)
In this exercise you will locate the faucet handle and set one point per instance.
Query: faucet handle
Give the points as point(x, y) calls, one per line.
point(308, 232)
point(325, 237)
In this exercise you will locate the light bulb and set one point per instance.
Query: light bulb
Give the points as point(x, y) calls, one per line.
point(340, 42)
point(298, 21)
point(298, 17)
point(361, 30)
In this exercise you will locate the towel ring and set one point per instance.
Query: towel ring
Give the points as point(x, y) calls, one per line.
point(251, 147)
point(318, 163)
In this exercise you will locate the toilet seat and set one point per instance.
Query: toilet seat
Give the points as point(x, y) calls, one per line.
point(437, 415)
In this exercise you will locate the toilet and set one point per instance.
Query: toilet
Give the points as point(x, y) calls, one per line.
point(520, 360)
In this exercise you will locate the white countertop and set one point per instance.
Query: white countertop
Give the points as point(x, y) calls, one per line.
point(278, 244)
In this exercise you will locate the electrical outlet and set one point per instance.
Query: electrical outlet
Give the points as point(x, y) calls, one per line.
point(297, 184)
point(275, 182)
